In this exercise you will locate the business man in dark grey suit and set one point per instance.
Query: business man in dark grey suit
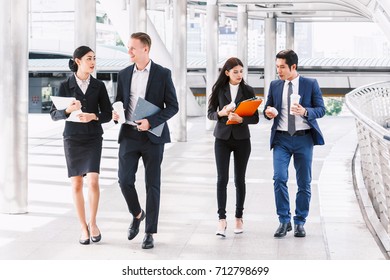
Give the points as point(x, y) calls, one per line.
point(293, 135)
point(152, 82)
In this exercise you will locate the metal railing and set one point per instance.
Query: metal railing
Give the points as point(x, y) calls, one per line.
point(371, 107)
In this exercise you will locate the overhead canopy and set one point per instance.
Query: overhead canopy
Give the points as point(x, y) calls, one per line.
point(301, 10)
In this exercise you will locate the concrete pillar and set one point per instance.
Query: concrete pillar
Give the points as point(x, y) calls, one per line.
point(242, 37)
point(270, 52)
point(85, 24)
point(290, 38)
point(180, 65)
point(212, 52)
point(137, 16)
point(13, 106)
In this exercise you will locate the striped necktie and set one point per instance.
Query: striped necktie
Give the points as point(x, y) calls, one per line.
point(291, 118)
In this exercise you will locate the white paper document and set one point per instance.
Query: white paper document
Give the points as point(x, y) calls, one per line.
point(73, 117)
point(62, 103)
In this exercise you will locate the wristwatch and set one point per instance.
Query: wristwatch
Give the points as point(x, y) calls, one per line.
point(97, 118)
point(305, 114)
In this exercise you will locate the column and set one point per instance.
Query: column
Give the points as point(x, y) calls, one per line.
point(270, 52)
point(212, 52)
point(85, 24)
point(137, 16)
point(180, 65)
point(242, 37)
point(290, 38)
point(14, 106)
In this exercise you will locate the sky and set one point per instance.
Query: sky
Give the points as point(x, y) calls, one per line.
point(331, 38)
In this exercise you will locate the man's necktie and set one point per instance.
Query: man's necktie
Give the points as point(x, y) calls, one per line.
point(291, 118)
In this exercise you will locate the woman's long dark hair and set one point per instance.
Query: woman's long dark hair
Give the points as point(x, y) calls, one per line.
point(223, 80)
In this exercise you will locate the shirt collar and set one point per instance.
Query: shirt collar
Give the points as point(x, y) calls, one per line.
point(79, 81)
point(294, 81)
point(146, 69)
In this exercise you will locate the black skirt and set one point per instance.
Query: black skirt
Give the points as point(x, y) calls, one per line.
point(83, 154)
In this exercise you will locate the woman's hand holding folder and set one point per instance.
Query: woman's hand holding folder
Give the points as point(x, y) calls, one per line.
point(233, 117)
point(245, 108)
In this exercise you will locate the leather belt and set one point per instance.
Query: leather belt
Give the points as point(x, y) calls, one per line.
point(131, 127)
point(297, 133)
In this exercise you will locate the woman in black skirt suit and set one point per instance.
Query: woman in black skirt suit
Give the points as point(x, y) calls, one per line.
point(83, 139)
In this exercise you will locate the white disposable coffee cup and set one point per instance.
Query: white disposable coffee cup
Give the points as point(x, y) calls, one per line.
point(294, 99)
point(118, 107)
point(274, 111)
point(231, 106)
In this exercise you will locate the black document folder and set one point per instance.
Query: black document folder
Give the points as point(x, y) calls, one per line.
point(144, 109)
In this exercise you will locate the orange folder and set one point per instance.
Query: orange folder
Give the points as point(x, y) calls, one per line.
point(246, 108)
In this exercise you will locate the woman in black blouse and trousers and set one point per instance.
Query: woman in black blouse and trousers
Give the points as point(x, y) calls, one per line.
point(83, 139)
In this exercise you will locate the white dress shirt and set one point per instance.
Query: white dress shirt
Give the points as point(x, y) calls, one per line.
point(299, 121)
point(233, 91)
point(137, 88)
point(83, 84)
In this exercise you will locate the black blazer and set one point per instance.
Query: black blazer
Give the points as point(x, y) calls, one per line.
point(159, 90)
point(239, 131)
point(95, 100)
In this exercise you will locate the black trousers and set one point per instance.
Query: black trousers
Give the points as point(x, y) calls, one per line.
point(130, 151)
point(241, 150)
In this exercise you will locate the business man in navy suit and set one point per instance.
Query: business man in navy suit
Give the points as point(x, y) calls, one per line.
point(152, 82)
point(293, 135)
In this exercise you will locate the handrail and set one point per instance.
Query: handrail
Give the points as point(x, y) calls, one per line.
point(355, 101)
point(370, 105)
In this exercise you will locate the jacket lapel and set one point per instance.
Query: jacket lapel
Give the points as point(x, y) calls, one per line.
point(227, 94)
point(92, 85)
point(279, 94)
point(302, 87)
point(150, 79)
point(74, 86)
point(127, 86)
point(239, 96)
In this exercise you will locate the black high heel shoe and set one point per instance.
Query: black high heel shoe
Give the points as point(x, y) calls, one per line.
point(85, 241)
point(97, 238)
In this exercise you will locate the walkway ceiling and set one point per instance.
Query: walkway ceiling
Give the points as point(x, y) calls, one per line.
point(305, 10)
point(295, 10)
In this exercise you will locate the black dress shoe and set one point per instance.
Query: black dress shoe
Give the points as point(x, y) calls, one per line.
point(134, 227)
point(283, 229)
point(84, 241)
point(148, 242)
point(96, 238)
point(299, 231)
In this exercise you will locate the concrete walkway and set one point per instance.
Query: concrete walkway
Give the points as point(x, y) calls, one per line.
point(335, 228)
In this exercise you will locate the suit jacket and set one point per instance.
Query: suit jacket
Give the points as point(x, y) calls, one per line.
point(159, 90)
point(311, 99)
point(239, 131)
point(95, 100)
